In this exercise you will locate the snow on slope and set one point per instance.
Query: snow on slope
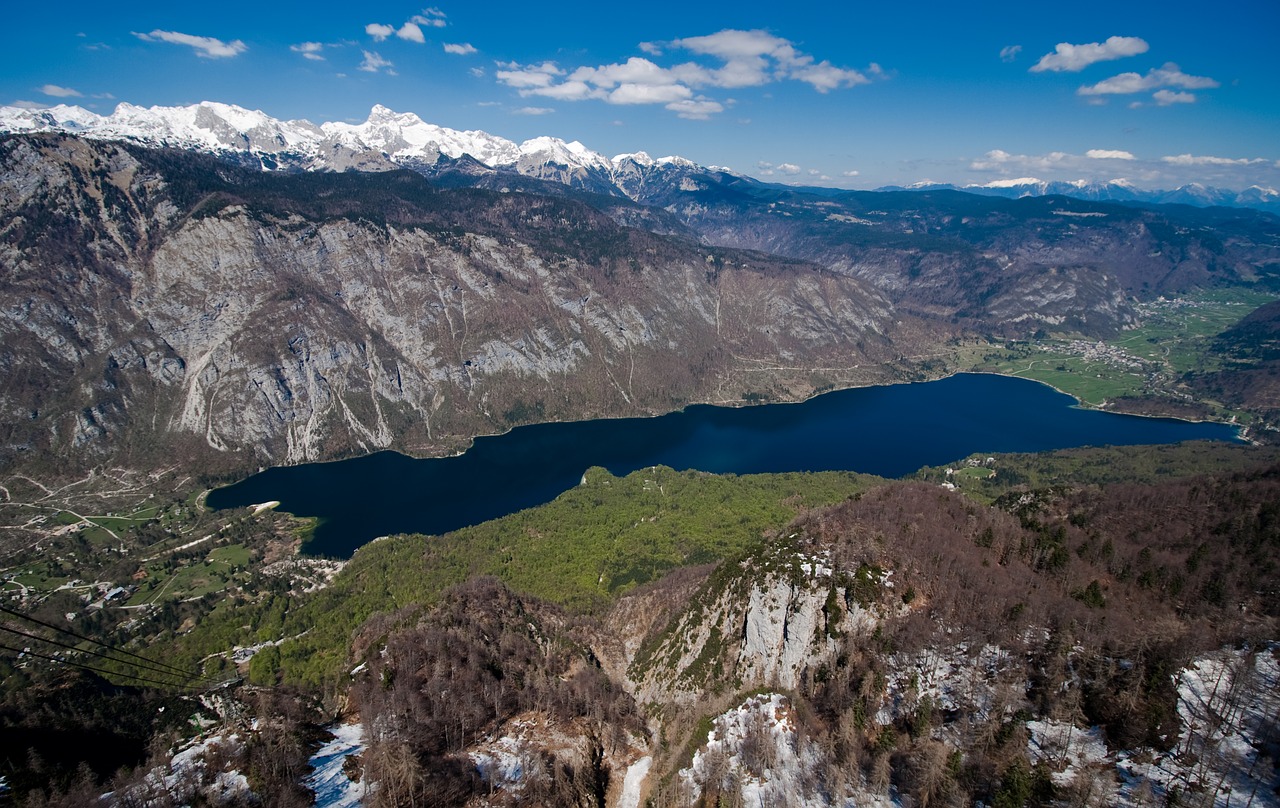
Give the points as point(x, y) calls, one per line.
point(329, 780)
point(402, 138)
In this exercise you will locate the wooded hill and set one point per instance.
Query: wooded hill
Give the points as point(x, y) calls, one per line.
point(619, 620)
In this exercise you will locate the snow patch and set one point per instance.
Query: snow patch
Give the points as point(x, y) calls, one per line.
point(329, 780)
point(636, 774)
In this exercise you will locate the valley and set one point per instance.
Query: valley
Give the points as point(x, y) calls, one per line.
point(1006, 628)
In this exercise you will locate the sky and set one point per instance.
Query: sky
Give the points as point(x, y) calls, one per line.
point(849, 95)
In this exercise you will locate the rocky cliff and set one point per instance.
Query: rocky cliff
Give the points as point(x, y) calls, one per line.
point(156, 300)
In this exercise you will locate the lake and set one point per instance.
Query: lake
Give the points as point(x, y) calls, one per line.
point(889, 431)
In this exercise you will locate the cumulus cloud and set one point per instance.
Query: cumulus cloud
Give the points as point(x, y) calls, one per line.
point(641, 93)
point(533, 111)
point(528, 76)
point(411, 32)
point(1074, 58)
point(1166, 97)
point(411, 29)
point(309, 50)
point(699, 109)
point(374, 63)
point(60, 92)
point(459, 48)
point(1109, 154)
point(850, 173)
point(738, 59)
point(430, 17)
point(206, 47)
point(768, 169)
point(1010, 52)
point(1170, 75)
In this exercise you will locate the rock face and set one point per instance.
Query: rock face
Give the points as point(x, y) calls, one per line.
point(157, 300)
point(769, 621)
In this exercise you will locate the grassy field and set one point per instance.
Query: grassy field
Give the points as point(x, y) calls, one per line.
point(1175, 337)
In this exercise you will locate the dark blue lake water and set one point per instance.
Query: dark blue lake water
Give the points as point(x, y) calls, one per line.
point(889, 431)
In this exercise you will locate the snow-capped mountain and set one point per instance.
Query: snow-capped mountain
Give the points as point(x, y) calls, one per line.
point(389, 139)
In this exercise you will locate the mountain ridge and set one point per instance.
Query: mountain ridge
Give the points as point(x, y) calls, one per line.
point(389, 138)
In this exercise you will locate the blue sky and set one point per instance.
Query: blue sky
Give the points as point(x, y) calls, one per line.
point(848, 95)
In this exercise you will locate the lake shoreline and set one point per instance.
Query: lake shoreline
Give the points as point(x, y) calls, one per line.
point(885, 430)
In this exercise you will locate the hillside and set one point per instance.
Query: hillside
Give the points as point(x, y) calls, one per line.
point(1079, 640)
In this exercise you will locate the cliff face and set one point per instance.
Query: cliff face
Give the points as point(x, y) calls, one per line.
point(155, 300)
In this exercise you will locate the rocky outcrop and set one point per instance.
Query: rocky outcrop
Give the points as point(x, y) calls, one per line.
point(765, 622)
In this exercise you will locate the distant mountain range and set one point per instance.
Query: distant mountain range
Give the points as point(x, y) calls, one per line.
point(403, 140)
point(1202, 196)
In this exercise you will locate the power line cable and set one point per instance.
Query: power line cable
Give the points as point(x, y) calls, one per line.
point(37, 621)
point(103, 673)
point(186, 676)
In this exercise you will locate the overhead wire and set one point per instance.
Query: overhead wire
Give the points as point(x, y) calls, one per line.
point(186, 676)
point(173, 670)
point(101, 672)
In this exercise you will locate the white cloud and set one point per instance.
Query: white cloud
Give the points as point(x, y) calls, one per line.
point(478, 72)
point(1170, 75)
point(533, 111)
point(747, 59)
point(568, 91)
point(60, 92)
point(411, 32)
point(634, 71)
point(411, 29)
point(309, 50)
point(825, 77)
point(430, 17)
point(755, 58)
point(206, 47)
point(524, 77)
point(1074, 58)
point(1004, 163)
point(27, 105)
point(460, 48)
point(1166, 97)
point(699, 109)
point(1106, 165)
point(374, 63)
point(850, 173)
point(1010, 52)
point(1109, 154)
point(1207, 160)
point(635, 93)
point(788, 168)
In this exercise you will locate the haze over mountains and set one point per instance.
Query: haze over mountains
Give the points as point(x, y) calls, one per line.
point(390, 139)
